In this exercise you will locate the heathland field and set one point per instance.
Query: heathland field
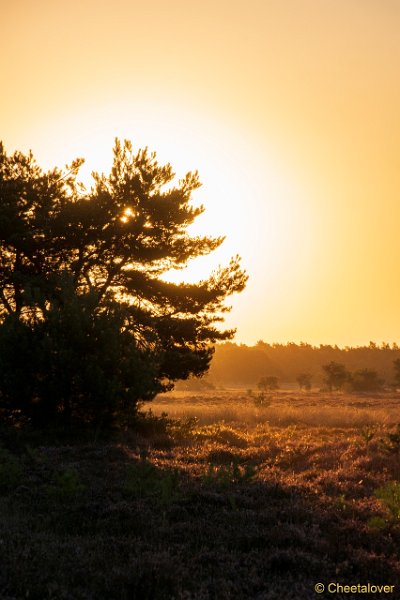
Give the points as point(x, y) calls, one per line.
point(232, 495)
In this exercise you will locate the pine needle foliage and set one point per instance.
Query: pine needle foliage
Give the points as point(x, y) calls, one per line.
point(89, 323)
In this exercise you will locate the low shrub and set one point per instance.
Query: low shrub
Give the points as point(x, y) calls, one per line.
point(226, 475)
point(10, 471)
point(66, 486)
point(144, 480)
point(223, 434)
point(390, 444)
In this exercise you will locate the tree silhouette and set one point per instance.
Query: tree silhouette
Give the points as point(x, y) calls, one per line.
point(336, 375)
point(304, 381)
point(396, 365)
point(76, 263)
point(366, 380)
point(269, 382)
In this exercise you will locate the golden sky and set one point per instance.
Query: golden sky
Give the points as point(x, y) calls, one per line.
point(289, 109)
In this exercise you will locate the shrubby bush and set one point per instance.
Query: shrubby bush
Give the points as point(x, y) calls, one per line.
point(269, 382)
point(75, 367)
point(365, 380)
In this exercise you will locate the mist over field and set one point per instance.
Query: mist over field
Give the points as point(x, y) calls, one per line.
point(243, 366)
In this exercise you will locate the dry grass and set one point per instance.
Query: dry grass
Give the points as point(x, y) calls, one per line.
point(282, 408)
point(247, 502)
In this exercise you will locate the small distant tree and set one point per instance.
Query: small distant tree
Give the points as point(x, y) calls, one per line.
point(366, 380)
point(304, 381)
point(336, 375)
point(268, 383)
point(396, 365)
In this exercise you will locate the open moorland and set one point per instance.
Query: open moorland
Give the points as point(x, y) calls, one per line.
point(233, 495)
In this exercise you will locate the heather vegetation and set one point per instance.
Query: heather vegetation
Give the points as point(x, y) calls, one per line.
point(208, 496)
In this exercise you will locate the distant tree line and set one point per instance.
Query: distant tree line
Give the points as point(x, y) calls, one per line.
point(337, 377)
point(303, 364)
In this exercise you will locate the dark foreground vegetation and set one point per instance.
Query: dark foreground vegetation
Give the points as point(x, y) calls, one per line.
point(229, 499)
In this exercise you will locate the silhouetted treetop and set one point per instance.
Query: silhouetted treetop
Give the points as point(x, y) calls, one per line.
point(115, 241)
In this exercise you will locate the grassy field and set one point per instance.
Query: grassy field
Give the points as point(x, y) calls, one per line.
point(232, 496)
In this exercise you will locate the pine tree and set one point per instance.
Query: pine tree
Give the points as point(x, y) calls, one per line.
point(91, 261)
